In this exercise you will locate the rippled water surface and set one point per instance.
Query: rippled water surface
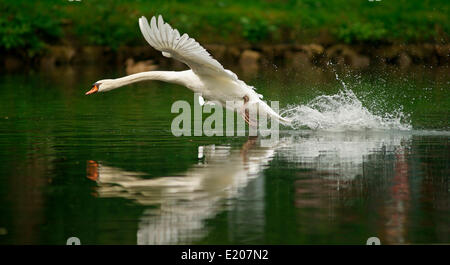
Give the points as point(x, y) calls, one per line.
point(368, 155)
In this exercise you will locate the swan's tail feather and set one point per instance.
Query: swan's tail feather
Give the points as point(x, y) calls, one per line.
point(282, 120)
point(273, 114)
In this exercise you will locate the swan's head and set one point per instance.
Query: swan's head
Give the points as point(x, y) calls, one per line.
point(102, 86)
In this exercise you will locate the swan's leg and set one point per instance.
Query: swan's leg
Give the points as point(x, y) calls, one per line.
point(245, 112)
point(247, 146)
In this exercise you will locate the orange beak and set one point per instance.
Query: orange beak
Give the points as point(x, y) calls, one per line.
point(93, 90)
point(92, 170)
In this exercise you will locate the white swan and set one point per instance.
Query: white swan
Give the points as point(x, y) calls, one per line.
point(181, 204)
point(207, 76)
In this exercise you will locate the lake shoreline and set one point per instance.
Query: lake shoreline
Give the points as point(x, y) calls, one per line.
point(142, 58)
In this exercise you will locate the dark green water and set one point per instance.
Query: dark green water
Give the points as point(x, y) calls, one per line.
point(107, 169)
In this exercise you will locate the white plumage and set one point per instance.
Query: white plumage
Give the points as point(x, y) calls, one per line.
point(162, 37)
point(207, 76)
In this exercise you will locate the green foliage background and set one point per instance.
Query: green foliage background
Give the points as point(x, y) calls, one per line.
point(30, 25)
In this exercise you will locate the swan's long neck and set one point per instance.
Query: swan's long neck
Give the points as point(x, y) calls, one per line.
point(176, 77)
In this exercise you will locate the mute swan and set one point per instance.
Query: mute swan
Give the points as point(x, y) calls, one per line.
point(207, 76)
point(184, 202)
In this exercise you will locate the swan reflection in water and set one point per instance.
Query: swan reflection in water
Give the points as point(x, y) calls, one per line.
point(323, 162)
point(184, 202)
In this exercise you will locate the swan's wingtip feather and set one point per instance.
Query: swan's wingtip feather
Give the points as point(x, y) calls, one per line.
point(160, 20)
point(142, 21)
point(153, 23)
point(161, 36)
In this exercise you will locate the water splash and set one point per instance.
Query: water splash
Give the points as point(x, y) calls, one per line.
point(342, 111)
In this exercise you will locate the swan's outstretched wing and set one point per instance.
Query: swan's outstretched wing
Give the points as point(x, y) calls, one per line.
point(162, 37)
